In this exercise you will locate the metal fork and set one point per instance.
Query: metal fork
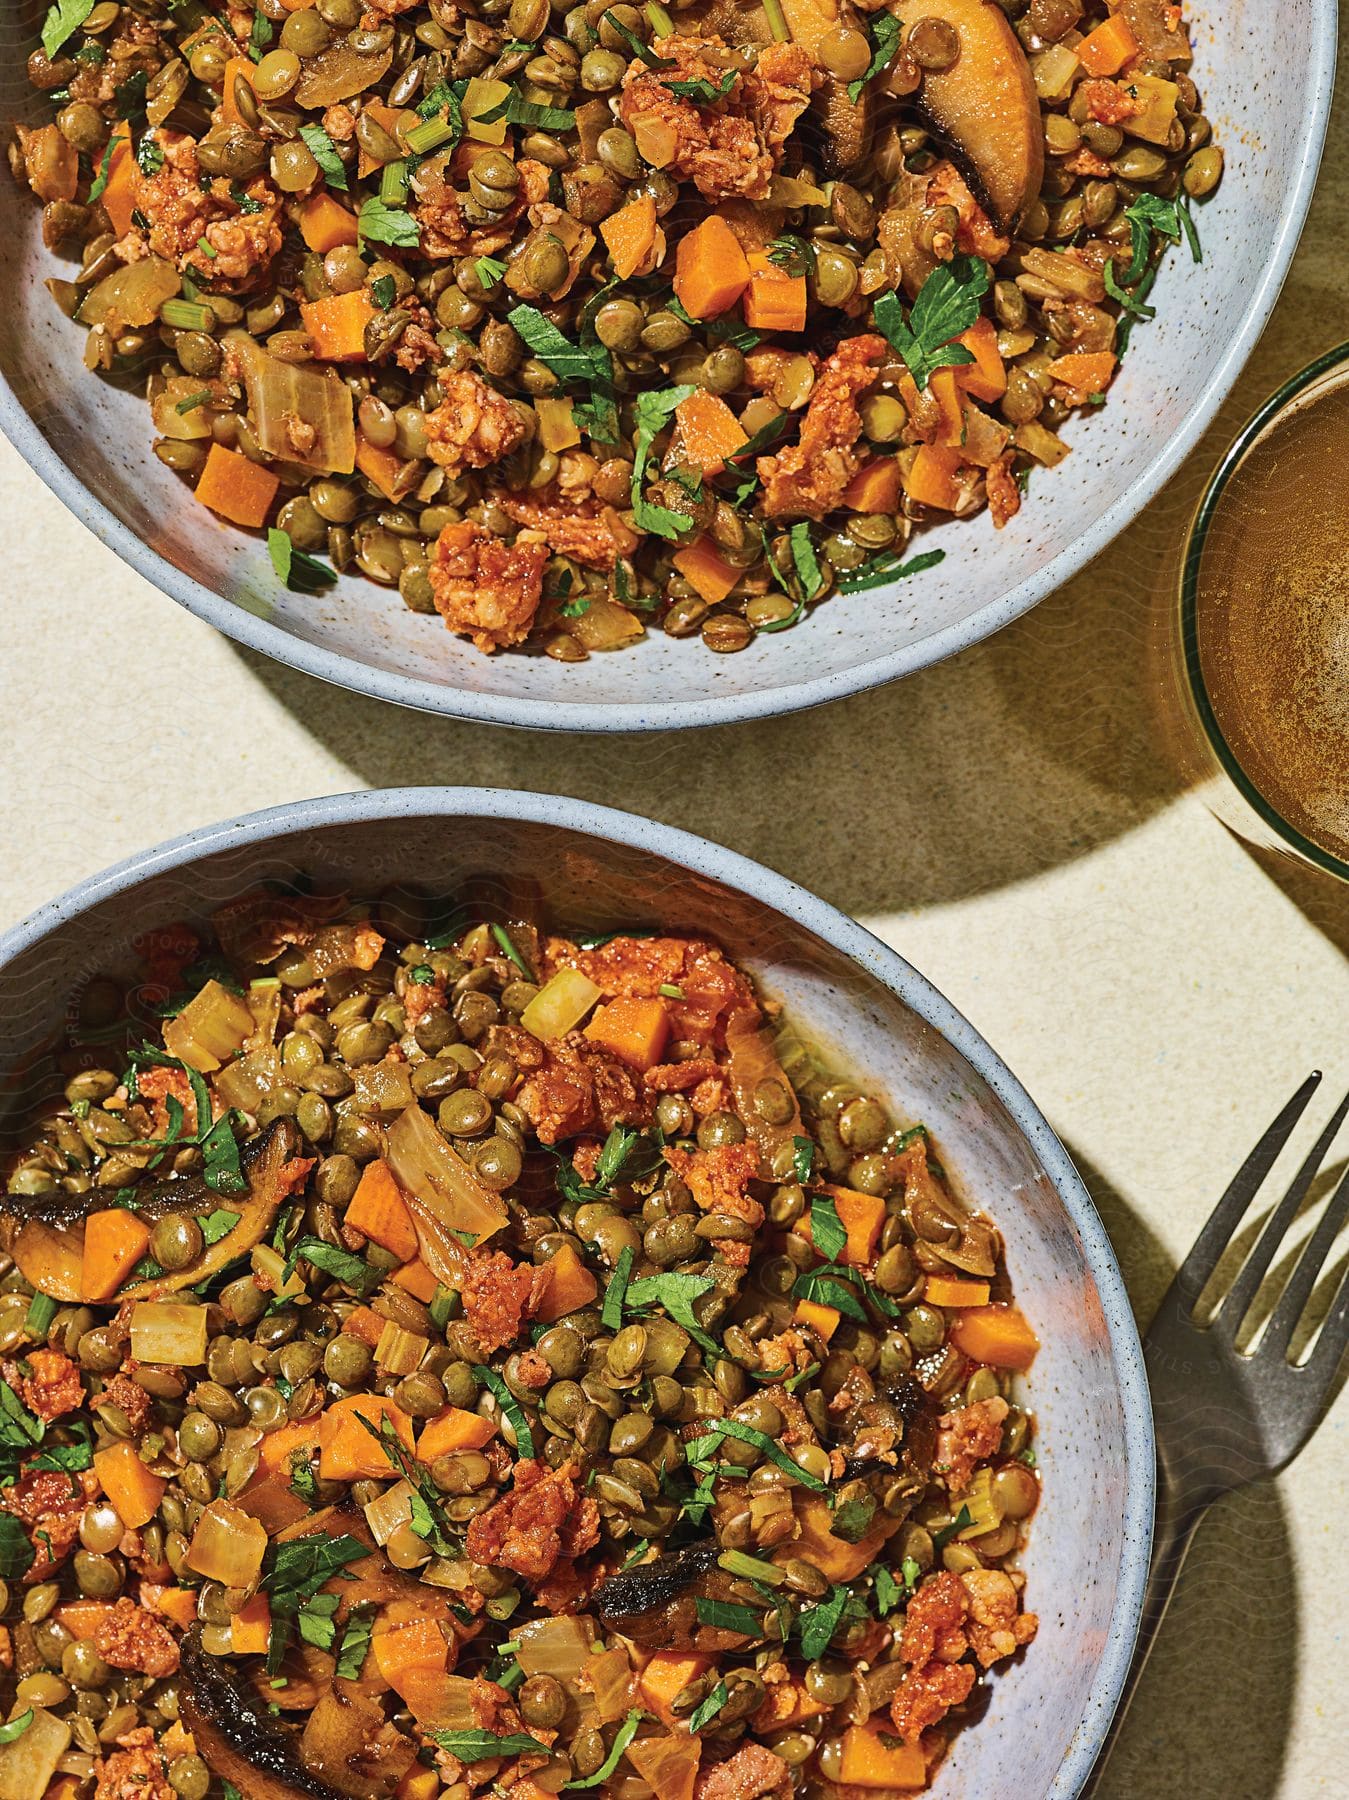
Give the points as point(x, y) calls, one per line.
point(1226, 1418)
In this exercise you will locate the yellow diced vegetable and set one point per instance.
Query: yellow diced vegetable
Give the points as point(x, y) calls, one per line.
point(399, 1352)
point(558, 430)
point(1159, 98)
point(392, 1510)
point(270, 1265)
point(1041, 443)
point(1053, 72)
point(227, 1545)
point(482, 96)
point(210, 1029)
point(983, 1508)
point(29, 1763)
point(164, 1331)
point(560, 1004)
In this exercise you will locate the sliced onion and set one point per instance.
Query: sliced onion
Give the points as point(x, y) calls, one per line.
point(428, 1169)
point(248, 1081)
point(753, 1061)
point(611, 1683)
point(210, 1029)
point(560, 1647)
point(130, 296)
point(668, 1765)
point(279, 393)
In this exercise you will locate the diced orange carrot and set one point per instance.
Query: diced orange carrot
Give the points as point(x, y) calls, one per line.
point(873, 1760)
point(251, 1627)
point(365, 1323)
point(630, 235)
point(325, 223)
point(347, 1451)
point(336, 326)
point(1084, 373)
point(277, 1447)
point(950, 1290)
point(383, 467)
point(451, 1430)
point(999, 1335)
point(707, 432)
point(420, 1784)
point(236, 66)
point(636, 1030)
point(786, 1703)
point(706, 570)
point(177, 1604)
point(823, 1319)
point(711, 272)
point(114, 1242)
point(421, 1645)
point(774, 300)
point(986, 377)
point(117, 200)
point(947, 395)
point(558, 429)
point(568, 1286)
point(82, 1618)
point(236, 488)
point(666, 1675)
point(379, 1211)
point(417, 1279)
point(875, 488)
point(133, 1489)
point(1106, 50)
point(816, 1543)
point(862, 1216)
point(931, 477)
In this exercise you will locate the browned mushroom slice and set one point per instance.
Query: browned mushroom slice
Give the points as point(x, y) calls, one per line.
point(985, 107)
point(656, 1604)
point(846, 124)
point(45, 1235)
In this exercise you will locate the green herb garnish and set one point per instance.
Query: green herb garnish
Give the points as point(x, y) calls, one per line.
point(828, 1233)
point(324, 152)
point(63, 21)
point(100, 181)
point(611, 1313)
point(378, 223)
point(793, 253)
point(947, 304)
point(884, 30)
point(301, 573)
point(653, 414)
point(626, 1732)
point(510, 1407)
point(887, 565)
point(353, 1271)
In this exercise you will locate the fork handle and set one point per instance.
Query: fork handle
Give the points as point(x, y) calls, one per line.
point(1176, 1521)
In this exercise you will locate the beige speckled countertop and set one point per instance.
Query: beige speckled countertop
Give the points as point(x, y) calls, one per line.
point(1005, 820)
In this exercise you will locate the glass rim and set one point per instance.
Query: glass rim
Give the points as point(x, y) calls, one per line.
point(1279, 401)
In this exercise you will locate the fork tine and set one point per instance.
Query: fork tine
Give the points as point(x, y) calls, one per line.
point(1226, 1216)
point(1236, 1303)
point(1283, 1320)
point(1333, 1338)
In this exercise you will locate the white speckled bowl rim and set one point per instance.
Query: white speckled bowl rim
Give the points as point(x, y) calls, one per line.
point(784, 900)
point(671, 699)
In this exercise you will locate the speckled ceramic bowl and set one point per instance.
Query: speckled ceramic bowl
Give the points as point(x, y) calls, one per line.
point(1089, 1547)
point(1266, 75)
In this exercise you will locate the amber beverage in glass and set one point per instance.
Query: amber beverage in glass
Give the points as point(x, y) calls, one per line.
point(1260, 634)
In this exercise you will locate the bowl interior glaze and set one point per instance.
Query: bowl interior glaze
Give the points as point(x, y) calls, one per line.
point(91, 444)
point(599, 869)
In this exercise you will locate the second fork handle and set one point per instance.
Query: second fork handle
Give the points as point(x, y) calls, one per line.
point(1176, 1520)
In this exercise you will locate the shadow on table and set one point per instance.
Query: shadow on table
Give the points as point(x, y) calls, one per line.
point(1021, 754)
point(1214, 1707)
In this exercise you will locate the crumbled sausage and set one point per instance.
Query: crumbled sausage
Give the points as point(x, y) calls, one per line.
point(221, 238)
point(711, 988)
point(997, 1627)
point(1109, 102)
point(446, 232)
point(579, 1087)
point(733, 146)
point(473, 426)
point(965, 1437)
point(927, 1694)
point(583, 530)
point(543, 1518)
point(54, 1387)
point(157, 1085)
point(934, 1621)
point(752, 1773)
point(485, 589)
point(806, 480)
point(1004, 496)
point(49, 1503)
point(134, 1772)
point(495, 1292)
point(128, 1638)
point(718, 1178)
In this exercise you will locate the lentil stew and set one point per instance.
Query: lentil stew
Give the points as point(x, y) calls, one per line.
point(483, 1360)
point(575, 322)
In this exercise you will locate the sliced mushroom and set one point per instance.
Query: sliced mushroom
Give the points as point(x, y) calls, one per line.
point(656, 1604)
point(45, 1234)
point(984, 106)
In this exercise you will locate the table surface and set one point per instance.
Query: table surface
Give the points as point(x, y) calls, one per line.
point(1006, 820)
